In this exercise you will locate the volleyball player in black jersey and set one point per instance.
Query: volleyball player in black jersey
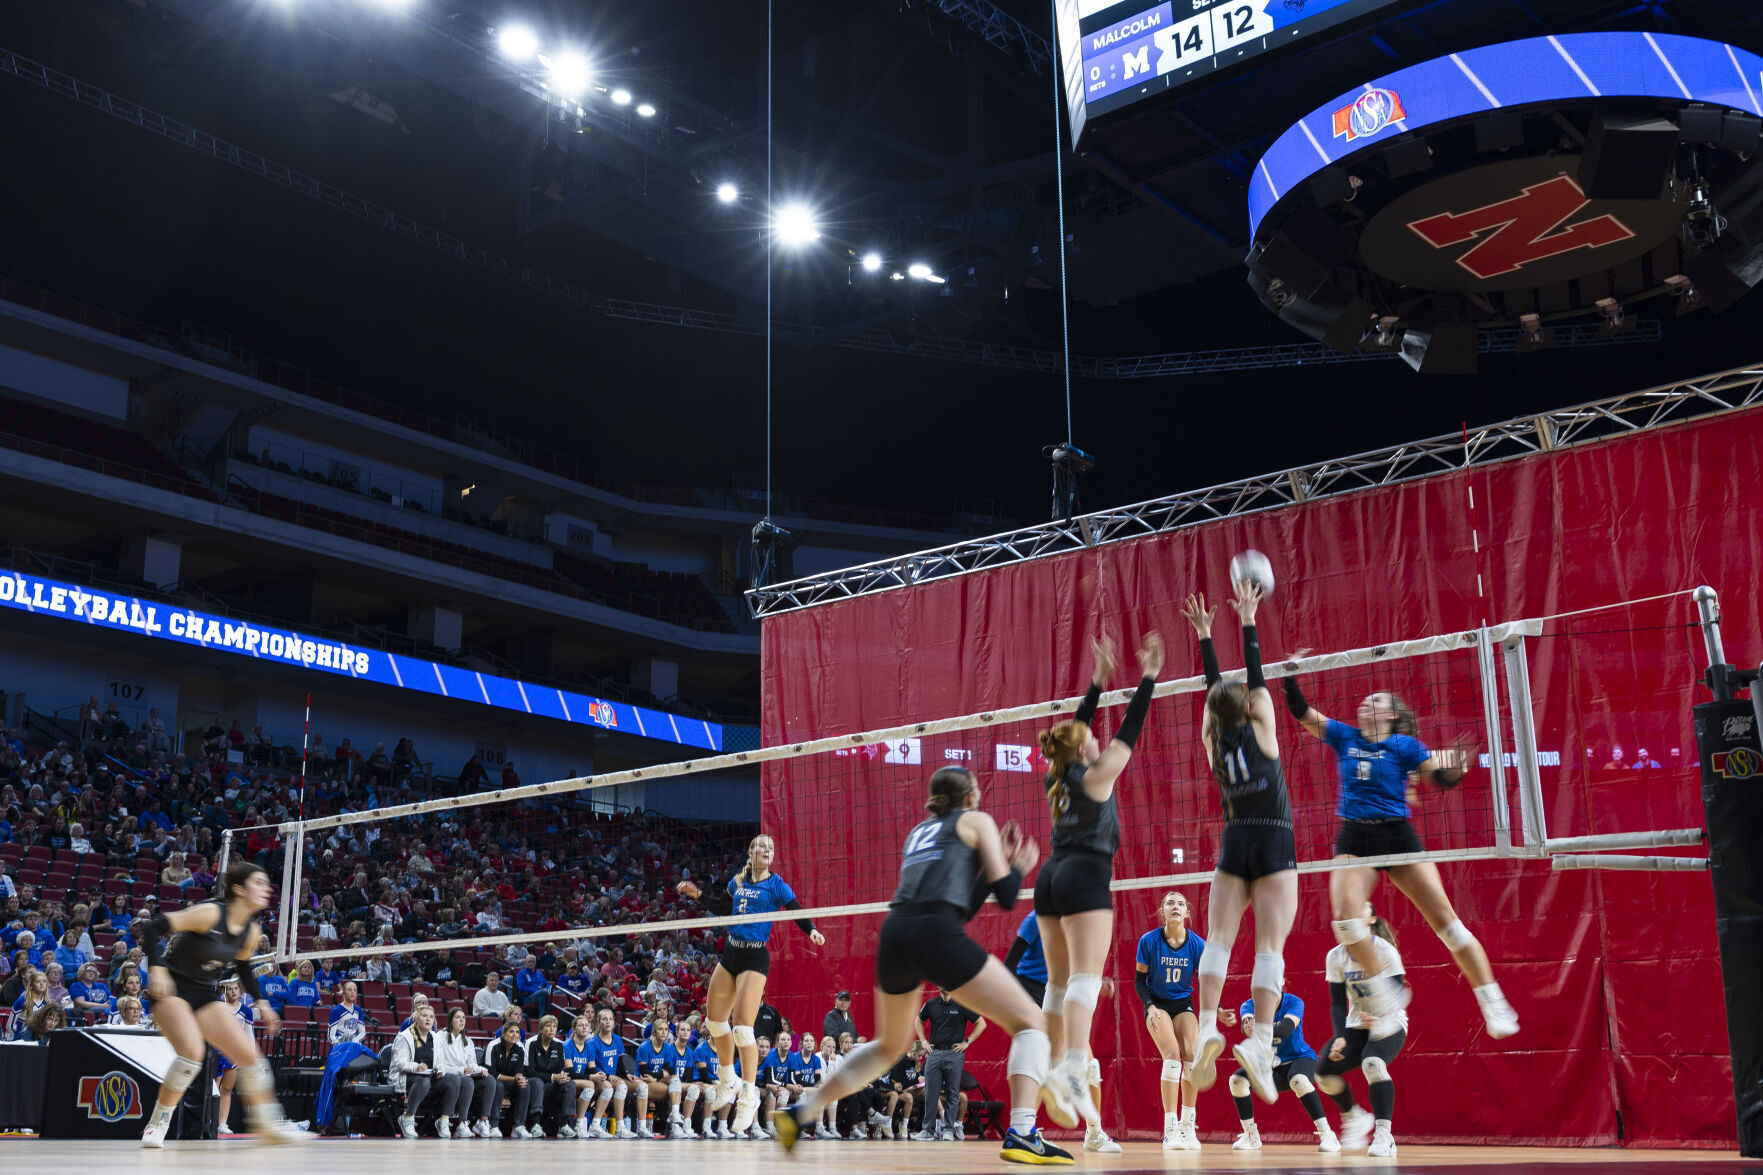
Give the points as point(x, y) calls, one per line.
point(1072, 900)
point(1257, 855)
point(954, 858)
point(184, 977)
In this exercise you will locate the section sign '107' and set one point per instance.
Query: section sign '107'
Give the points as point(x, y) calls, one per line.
point(1129, 51)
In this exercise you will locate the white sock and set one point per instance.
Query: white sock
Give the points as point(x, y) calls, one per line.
point(1383, 1123)
point(1321, 1124)
point(1170, 1120)
point(1209, 1022)
point(1488, 992)
point(1264, 1034)
point(1023, 1120)
point(1247, 1123)
point(1187, 1115)
point(1077, 1058)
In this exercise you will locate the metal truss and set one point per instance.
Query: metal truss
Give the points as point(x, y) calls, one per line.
point(1001, 30)
point(1585, 423)
point(965, 351)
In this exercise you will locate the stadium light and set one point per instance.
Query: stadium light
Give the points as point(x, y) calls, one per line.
point(570, 74)
point(795, 225)
point(621, 97)
point(871, 262)
point(727, 193)
point(919, 270)
point(517, 42)
point(646, 110)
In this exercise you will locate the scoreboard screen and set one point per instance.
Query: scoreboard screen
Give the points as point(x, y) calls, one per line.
point(1127, 52)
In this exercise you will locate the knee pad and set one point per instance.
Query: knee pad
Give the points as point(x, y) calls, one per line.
point(1348, 931)
point(620, 1090)
point(1214, 960)
point(1053, 1002)
point(1095, 1072)
point(1456, 936)
point(1030, 1051)
point(1269, 972)
point(744, 1037)
point(1239, 1085)
point(691, 1094)
point(179, 1076)
point(1330, 1083)
point(1083, 990)
point(257, 1078)
point(673, 1084)
point(1173, 1071)
point(1300, 1085)
point(1375, 1069)
point(717, 1028)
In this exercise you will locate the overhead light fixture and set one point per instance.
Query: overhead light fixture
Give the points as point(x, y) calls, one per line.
point(517, 42)
point(646, 110)
point(871, 262)
point(727, 193)
point(795, 225)
point(621, 97)
point(570, 74)
point(919, 270)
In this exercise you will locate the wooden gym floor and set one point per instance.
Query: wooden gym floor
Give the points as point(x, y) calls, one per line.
point(375, 1156)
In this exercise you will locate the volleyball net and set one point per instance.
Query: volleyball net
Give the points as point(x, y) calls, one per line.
point(1604, 674)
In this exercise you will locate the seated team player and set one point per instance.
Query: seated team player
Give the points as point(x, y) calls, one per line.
point(1363, 1042)
point(579, 1059)
point(187, 1007)
point(705, 1074)
point(612, 1074)
point(678, 1057)
point(1295, 1069)
point(773, 1080)
point(657, 1080)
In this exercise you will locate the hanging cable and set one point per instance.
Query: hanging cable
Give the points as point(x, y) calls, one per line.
point(1059, 200)
point(770, 227)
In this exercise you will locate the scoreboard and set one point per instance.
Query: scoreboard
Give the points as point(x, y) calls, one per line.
point(1125, 52)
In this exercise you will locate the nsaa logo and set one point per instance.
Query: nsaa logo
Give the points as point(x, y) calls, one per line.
point(1370, 113)
point(603, 713)
point(110, 1098)
point(1743, 763)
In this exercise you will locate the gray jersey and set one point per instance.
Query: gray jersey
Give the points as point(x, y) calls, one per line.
point(1081, 822)
point(937, 866)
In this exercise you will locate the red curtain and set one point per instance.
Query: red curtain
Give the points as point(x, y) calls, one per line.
point(1615, 975)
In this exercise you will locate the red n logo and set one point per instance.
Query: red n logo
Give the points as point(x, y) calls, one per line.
point(1523, 229)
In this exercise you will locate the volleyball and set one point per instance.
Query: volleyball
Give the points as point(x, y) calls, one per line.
point(1255, 567)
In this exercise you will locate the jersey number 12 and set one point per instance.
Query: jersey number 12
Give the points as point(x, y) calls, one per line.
point(923, 838)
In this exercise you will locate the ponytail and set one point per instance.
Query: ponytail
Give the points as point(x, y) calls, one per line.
point(1228, 704)
point(1379, 925)
point(1061, 745)
point(949, 789)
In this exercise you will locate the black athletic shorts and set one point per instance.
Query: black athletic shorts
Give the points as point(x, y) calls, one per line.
point(1074, 881)
point(738, 955)
point(1359, 1046)
point(1377, 838)
point(1250, 851)
point(1036, 988)
point(1286, 1070)
point(925, 942)
point(1173, 1007)
point(198, 993)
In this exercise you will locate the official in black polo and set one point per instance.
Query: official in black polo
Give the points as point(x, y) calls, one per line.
point(943, 1024)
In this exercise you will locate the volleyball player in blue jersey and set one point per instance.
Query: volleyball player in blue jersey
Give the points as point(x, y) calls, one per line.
point(1295, 1070)
point(1376, 759)
point(737, 986)
point(1168, 959)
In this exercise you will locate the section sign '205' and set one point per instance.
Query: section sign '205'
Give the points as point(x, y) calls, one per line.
point(1130, 52)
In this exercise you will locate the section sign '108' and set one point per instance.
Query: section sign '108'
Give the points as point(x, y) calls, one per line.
point(1129, 51)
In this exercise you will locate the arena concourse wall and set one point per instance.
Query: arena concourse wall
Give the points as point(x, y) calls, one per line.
point(1616, 975)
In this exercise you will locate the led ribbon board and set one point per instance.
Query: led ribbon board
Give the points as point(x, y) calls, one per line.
point(52, 599)
point(1541, 72)
point(1129, 51)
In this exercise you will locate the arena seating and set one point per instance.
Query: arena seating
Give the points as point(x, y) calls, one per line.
point(76, 440)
